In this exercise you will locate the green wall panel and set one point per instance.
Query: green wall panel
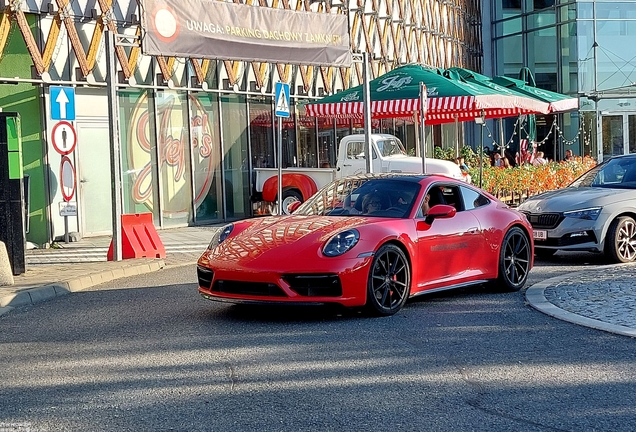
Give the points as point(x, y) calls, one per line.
point(25, 99)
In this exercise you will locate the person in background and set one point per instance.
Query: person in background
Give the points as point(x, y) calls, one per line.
point(539, 159)
point(462, 164)
point(496, 162)
point(568, 156)
point(506, 163)
point(464, 168)
point(511, 158)
point(373, 202)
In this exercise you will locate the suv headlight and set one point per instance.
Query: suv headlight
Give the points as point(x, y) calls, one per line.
point(588, 214)
point(341, 242)
point(220, 236)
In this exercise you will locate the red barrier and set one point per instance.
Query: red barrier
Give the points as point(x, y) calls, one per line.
point(139, 238)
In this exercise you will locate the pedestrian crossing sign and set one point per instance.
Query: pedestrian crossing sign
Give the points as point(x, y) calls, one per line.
point(282, 99)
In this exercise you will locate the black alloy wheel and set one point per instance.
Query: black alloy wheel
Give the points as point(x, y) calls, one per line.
point(620, 242)
point(514, 260)
point(389, 283)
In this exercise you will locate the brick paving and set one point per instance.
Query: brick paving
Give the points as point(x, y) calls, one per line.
point(603, 298)
point(606, 294)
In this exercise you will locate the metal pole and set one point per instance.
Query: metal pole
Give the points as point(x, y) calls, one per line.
point(456, 135)
point(502, 146)
point(481, 155)
point(115, 150)
point(423, 102)
point(280, 166)
point(66, 239)
point(367, 112)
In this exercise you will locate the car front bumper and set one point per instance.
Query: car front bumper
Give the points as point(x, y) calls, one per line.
point(569, 234)
point(342, 282)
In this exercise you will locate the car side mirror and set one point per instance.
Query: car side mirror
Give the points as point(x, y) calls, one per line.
point(439, 211)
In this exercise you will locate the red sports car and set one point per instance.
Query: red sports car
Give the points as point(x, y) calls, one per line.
point(372, 240)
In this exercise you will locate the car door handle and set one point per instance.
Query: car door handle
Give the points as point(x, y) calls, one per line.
point(473, 230)
point(346, 164)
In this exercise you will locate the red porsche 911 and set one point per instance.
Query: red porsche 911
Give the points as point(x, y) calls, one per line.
point(374, 241)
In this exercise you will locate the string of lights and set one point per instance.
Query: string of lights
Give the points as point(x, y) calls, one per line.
point(522, 123)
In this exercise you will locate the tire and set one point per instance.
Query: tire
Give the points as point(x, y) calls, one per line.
point(544, 253)
point(290, 196)
point(620, 240)
point(514, 260)
point(389, 282)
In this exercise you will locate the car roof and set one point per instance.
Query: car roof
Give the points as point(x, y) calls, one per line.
point(625, 156)
point(410, 177)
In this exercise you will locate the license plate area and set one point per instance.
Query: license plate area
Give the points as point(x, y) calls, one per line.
point(540, 234)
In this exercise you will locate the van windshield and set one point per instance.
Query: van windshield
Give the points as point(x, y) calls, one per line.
point(390, 147)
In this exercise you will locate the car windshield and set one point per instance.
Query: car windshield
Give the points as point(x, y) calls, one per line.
point(376, 197)
point(390, 147)
point(617, 172)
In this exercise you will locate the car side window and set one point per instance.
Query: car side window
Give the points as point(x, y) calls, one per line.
point(452, 197)
point(355, 150)
point(440, 194)
point(472, 199)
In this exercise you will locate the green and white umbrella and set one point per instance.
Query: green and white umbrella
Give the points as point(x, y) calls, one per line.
point(557, 102)
point(449, 98)
point(523, 87)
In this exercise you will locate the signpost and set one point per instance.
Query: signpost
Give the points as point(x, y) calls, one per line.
point(63, 138)
point(62, 103)
point(68, 208)
point(67, 186)
point(282, 110)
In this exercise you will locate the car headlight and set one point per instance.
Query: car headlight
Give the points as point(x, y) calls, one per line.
point(589, 214)
point(220, 236)
point(341, 242)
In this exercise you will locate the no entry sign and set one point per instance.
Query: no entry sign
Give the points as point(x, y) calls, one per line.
point(67, 178)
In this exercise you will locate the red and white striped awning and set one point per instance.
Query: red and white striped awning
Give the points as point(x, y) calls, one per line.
point(439, 109)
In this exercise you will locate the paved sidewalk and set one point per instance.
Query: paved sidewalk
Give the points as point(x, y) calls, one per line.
point(603, 298)
point(76, 266)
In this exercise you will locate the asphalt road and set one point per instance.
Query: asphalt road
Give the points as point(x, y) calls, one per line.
point(149, 354)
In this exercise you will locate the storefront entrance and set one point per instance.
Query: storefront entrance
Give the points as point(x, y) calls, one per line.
point(619, 134)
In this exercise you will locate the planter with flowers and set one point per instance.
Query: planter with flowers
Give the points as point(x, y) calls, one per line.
point(512, 185)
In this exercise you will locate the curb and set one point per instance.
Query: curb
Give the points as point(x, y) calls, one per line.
point(38, 294)
point(536, 298)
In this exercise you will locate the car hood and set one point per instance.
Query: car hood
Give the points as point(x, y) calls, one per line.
point(574, 198)
point(282, 237)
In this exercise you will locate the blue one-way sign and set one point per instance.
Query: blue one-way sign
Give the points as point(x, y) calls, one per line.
point(62, 103)
point(282, 99)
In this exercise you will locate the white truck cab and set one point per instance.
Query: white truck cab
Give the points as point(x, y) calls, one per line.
point(388, 155)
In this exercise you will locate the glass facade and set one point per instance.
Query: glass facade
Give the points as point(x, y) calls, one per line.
point(579, 48)
point(193, 130)
point(235, 156)
point(139, 152)
point(206, 157)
